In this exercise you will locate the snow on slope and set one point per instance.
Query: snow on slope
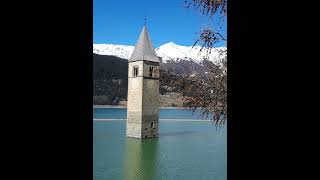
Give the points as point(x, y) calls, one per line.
point(121, 51)
point(173, 51)
point(168, 51)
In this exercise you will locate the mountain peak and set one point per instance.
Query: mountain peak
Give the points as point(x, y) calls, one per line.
point(170, 43)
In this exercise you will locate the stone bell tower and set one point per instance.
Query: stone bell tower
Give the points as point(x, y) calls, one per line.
point(143, 90)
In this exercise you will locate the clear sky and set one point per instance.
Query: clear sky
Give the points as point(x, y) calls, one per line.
point(121, 21)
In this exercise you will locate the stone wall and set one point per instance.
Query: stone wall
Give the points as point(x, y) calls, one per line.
point(150, 107)
point(134, 104)
point(143, 100)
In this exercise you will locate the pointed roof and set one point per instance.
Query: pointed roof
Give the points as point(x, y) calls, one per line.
point(144, 49)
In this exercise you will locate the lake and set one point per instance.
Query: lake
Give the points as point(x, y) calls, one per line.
point(187, 148)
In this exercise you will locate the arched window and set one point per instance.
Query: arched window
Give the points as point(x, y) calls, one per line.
point(135, 71)
point(152, 124)
point(151, 69)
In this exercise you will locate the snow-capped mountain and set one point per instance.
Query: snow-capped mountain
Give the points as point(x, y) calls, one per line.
point(121, 51)
point(171, 51)
point(168, 51)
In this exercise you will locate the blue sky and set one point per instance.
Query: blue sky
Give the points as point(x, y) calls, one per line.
point(120, 22)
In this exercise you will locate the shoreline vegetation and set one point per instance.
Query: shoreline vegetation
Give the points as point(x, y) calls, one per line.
point(123, 106)
point(172, 101)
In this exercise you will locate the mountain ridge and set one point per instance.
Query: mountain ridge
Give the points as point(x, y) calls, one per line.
point(168, 52)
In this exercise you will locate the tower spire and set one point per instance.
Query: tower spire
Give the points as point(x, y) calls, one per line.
point(144, 49)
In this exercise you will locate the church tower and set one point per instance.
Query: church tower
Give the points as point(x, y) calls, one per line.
point(143, 90)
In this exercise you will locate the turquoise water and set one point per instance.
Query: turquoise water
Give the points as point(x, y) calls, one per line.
point(185, 150)
point(121, 113)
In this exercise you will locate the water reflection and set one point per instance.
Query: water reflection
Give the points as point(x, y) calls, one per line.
point(177, 133)
point(140, 159)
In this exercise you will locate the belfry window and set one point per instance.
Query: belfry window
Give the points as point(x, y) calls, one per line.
point(135, 71)
point(151, 69)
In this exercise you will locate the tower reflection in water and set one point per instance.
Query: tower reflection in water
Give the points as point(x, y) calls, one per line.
point(140, 159)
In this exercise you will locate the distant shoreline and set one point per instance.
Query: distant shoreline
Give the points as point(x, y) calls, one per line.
point(121, 106)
